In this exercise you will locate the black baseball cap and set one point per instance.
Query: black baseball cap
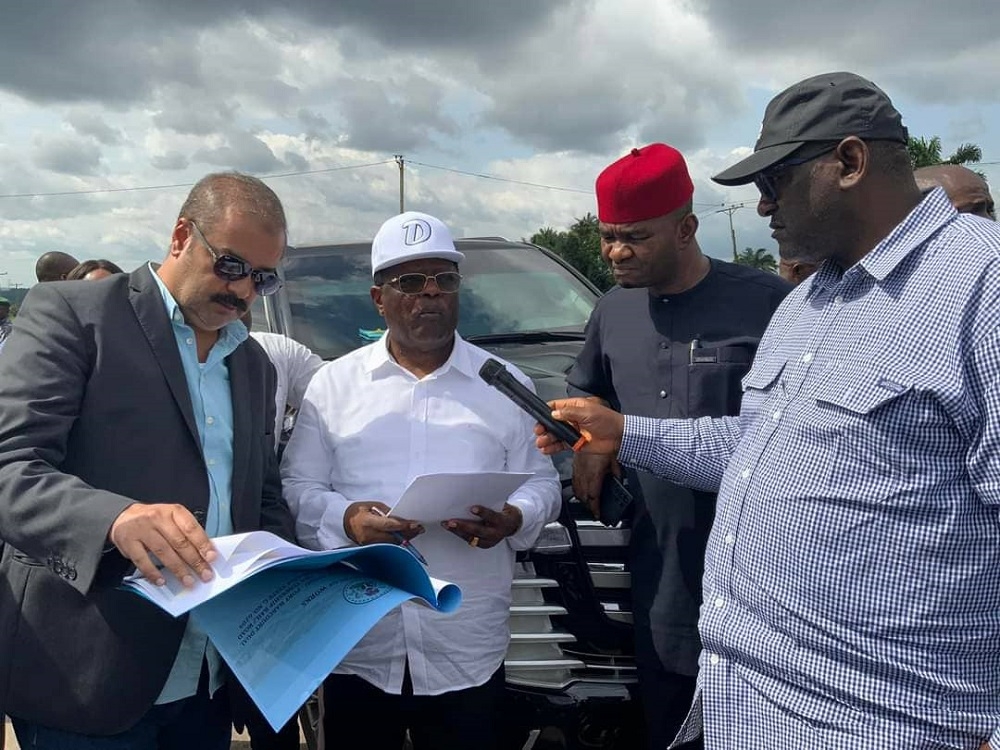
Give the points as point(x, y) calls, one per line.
point(828, 107)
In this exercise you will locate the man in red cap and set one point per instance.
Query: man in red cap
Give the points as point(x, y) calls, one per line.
point(674, 340)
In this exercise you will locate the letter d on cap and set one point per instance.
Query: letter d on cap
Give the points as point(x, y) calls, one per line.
point(416, 231)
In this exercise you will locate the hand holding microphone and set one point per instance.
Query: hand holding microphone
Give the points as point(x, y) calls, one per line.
point(600, 431)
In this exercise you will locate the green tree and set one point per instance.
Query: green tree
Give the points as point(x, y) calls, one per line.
point(580, 246)
point(759, 258)
point(926, 152)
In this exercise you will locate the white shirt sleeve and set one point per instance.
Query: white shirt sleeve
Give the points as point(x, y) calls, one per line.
point(305, 472)
point(301, 365)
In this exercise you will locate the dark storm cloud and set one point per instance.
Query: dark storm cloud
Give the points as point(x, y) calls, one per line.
point(116, 51)
point(877, 31)
point(67, 155)
point(316, 126)
point(242, 151)
point(938, 52)
point(93, 125)
point(392, 117)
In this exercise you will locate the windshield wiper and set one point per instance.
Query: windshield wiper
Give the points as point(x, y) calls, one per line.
point(525, 337)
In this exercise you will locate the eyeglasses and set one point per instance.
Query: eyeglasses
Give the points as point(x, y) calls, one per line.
point(767, 180)
point(414, 283)
point(231, 268)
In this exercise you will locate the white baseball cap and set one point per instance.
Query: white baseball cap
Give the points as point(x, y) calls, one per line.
point(410, 236)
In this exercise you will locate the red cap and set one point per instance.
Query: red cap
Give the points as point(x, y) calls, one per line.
point(649, 182)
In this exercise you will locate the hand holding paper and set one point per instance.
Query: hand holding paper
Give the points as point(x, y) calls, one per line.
point(433, 498)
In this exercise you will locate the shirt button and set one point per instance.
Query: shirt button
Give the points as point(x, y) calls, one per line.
point(209, 420)
point(189, 341)
point(719, 602)
point(663, 344)
point(211, 462)
point(807, 357)
point(663, 394)
point(776, 415)
point(713, 659)
point(838, 299)
point(729, 539)
point(745, 473)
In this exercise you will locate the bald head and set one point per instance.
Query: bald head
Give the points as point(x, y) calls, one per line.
point(54, 266)
point(967, 191)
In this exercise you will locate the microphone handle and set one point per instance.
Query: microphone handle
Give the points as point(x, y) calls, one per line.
point(538, 409)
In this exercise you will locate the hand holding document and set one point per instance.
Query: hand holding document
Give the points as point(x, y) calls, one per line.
point(432, 498)
point(283, 617)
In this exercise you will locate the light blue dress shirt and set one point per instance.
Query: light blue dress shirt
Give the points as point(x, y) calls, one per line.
point(211, 401)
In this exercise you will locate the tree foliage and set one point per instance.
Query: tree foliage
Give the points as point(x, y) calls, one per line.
point(580, 246)
point(759, 258)
point(926, 152)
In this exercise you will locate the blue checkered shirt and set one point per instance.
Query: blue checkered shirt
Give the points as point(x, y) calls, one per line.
point(852, 578)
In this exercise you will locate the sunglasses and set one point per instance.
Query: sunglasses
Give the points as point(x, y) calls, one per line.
point(414, 283)
point(767, 180)
point(231, 268)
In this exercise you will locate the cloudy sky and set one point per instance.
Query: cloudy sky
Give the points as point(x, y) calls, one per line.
point(112, 108)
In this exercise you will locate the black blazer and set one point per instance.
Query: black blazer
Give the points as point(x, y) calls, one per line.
point(95, 414)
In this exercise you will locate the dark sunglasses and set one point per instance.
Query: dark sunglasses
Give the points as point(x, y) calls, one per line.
point(447, 282)
point(767, 180)
point(230, 268)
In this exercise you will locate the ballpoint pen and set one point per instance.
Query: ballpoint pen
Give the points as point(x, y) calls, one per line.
point(403, 541)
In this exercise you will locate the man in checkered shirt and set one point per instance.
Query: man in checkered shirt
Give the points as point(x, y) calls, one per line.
point(852, 580)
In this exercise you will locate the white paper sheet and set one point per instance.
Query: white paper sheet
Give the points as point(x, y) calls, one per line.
point(432, 498)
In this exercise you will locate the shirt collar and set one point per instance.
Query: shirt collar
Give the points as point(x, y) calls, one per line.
point(932, 213)
point(230, 336)
point(379, 359)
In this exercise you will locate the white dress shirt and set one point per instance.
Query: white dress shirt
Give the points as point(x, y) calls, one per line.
point(365, 429)
point(294, 365)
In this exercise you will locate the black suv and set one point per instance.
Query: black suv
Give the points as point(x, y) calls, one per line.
point(570, 667)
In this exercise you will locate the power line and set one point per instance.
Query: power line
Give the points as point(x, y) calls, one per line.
point(497, 178)
point(139, 188)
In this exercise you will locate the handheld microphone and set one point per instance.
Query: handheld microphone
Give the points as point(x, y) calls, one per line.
point(615, 497)
point(496, 375)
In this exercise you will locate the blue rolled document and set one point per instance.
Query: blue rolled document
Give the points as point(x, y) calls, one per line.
point(283, 617)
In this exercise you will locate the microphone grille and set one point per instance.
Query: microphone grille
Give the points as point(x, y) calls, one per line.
point(490, 370)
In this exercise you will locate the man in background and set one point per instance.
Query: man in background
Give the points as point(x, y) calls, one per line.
point(5, 324)
point(54, 266)
point(672, 340)
point(794, 269)
point(967, 191)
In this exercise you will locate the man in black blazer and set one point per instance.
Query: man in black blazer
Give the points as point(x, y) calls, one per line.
point(135, 421)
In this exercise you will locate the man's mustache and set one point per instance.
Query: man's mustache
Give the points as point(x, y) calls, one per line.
point(231, 301)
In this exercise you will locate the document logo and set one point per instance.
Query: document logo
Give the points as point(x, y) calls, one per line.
point(365, 590)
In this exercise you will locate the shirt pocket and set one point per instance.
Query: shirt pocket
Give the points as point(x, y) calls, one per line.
point(714, 376)
point(761, 386)
point(859, 414)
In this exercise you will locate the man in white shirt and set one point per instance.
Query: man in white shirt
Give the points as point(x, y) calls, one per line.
point(294, 366)
point(412, 403)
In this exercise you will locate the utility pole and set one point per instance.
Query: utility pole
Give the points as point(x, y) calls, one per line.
point(400, 162)
point(732, 232)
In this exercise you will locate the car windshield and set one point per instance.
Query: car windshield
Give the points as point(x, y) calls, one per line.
point(505, 290)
